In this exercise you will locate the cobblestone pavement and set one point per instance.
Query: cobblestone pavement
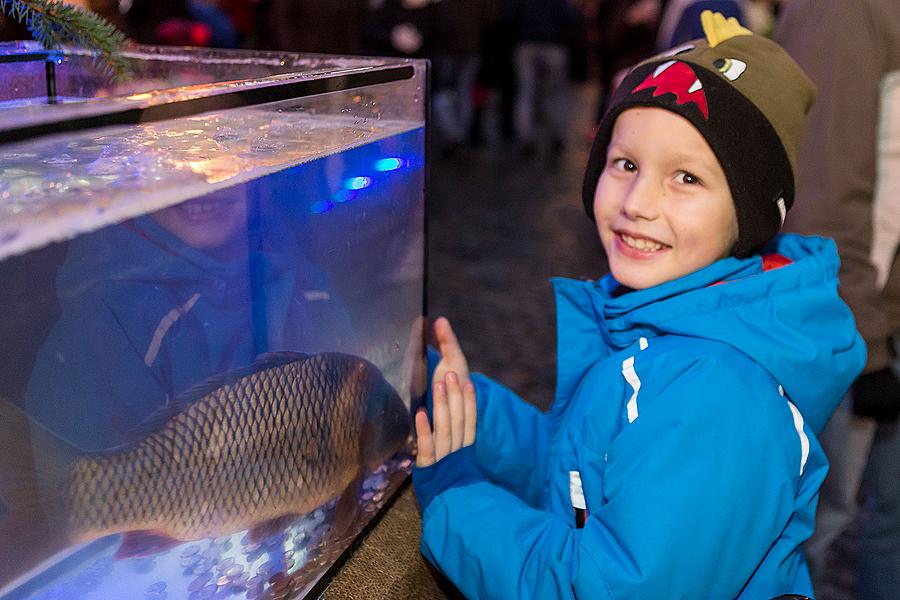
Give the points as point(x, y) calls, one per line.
point(500, 226)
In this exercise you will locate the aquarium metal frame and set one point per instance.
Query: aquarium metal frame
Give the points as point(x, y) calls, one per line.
point(50, 58)
point(265, 94)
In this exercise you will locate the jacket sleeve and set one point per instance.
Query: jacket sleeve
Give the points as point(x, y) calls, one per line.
point(836, 164)
point(672, 517)
point(511, 436)
point(511, 440)
point(89, 384)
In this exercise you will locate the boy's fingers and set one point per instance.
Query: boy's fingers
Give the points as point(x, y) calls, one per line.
point(441, 420)
point(449, 346)
point(425, 454)
point(471, 413)
point(456, 410)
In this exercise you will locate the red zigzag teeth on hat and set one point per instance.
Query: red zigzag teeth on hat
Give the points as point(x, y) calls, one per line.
point(678, 78)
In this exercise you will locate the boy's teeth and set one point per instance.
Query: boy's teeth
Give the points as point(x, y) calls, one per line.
point(641, 243)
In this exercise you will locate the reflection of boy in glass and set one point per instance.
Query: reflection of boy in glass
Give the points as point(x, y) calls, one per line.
point(162, 302)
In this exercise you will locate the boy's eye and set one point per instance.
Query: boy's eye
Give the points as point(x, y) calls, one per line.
point(687, 178)
point(623, 164)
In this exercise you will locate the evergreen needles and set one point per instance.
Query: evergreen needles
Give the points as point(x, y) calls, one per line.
point(52, 23)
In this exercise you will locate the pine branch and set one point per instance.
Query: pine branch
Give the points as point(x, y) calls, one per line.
point(52, 23)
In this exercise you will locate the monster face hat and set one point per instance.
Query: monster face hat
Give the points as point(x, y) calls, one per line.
point(747, 98)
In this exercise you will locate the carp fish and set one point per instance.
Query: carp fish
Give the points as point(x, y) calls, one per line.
point(250, 449)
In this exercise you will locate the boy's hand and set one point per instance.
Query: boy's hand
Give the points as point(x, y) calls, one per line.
point(454, 415)
point(452, 357)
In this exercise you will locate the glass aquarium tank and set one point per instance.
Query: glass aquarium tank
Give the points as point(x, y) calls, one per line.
point(212, 309)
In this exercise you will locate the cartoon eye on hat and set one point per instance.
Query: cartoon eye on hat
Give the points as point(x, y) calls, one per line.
point(731, 68)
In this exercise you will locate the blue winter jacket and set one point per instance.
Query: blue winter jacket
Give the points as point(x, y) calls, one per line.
point(144, 317)
point(684, 424)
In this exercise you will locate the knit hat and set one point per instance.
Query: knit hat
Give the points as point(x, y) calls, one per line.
point(746, 97)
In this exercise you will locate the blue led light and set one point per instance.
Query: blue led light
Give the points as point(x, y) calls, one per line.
point(389, 164)
point(344, 195)
point(358, 183)
point(322, 206)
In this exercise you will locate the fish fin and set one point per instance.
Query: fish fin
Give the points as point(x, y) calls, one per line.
point(29, 492)
point(153, 423)
point(267, 529)
point(136, 544)
point(347, 507)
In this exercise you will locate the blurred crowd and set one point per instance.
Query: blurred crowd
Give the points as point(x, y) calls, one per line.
point(512, 60)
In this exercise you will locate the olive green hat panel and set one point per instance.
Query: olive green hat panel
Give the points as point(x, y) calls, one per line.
point(766, 75)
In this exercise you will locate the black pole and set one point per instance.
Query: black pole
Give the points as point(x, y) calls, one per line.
point(50, 68)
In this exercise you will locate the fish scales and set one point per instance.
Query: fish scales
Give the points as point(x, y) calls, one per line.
point(280, 441)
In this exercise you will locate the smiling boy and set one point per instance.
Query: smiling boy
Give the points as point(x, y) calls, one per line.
point(661, 214)
point(679, 458)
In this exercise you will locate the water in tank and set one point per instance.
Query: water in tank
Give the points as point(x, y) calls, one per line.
point(211, 317)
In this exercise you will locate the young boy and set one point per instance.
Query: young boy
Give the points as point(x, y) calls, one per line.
point(679, 459)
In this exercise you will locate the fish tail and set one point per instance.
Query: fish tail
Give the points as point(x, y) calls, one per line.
point(27, 535)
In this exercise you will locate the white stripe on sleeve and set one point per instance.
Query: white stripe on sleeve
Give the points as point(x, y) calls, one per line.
point(163, 328)
point(635, 383)
point(576, 491)
point(804, 441)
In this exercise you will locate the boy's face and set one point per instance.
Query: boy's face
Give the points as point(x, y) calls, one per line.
point(215, 223)
point(663, 206)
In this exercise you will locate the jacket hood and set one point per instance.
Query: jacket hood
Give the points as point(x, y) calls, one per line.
point(141, 250)
point(790, 320)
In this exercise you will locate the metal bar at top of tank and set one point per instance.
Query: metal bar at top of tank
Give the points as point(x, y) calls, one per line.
point(50, 74)
point(193, 106)
point(47, 55)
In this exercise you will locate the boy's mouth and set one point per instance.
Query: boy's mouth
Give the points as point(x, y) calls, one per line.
point(204, 209)
point(641, 244)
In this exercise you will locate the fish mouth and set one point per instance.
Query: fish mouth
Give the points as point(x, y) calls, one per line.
point(387, 430)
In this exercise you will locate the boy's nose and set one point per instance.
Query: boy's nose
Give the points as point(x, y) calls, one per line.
point(641, 200)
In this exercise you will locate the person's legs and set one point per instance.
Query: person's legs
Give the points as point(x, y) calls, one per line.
point(465, 91)
point(524, 63)
point(556, 68)
point(444, 99)
point(846, 440)
point(878, 563)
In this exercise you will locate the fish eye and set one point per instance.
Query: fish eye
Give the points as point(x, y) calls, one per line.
point(731, 68)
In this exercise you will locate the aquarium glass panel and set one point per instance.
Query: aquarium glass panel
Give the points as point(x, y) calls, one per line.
point(212, 322)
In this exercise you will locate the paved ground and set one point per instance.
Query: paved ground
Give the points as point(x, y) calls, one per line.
point(499, 227)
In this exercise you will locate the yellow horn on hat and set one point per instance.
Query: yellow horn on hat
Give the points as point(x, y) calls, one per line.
point(719, 29)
